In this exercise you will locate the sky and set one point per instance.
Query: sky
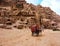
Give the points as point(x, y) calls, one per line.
point(35, 2)
point(53, 4)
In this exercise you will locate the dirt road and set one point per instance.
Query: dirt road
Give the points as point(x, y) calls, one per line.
point(23, 37)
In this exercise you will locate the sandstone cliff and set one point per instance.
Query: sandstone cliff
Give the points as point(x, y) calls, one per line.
point(27, 13)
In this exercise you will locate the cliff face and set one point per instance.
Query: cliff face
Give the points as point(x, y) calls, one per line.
point(20, 10)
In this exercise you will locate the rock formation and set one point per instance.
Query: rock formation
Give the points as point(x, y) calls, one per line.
point(27, 14)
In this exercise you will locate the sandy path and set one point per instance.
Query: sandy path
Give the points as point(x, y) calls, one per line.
point(23, 37)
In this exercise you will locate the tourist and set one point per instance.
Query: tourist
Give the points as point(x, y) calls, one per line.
point(34, 29)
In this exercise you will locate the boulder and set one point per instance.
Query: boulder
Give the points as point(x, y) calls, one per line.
point(20, 26)
point(8, 27)
point(2, 26)
point(9, 23)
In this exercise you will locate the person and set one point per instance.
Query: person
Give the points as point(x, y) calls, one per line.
point(35, 29)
